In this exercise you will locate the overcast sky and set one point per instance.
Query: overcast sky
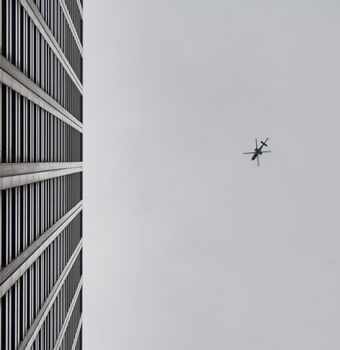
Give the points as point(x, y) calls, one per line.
point(188, 245)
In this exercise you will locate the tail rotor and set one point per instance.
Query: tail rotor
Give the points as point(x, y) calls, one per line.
point(264, 143)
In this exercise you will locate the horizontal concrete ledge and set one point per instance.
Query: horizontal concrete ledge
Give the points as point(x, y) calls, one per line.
point(10, 274)
point(68, 316)
point(71, 25)
point(8, 169)
point(20, 174)
point(75, 340)
point(45, 31)
point(80, 8)
point(40, 319)
point(18, 81)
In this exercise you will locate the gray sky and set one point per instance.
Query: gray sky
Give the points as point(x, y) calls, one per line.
point(188, 245)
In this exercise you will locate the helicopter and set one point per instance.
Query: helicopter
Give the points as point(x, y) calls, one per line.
point(258, 151)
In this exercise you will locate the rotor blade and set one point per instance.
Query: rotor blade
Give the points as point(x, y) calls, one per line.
point(258, 160)
point(248, 152)
point(266, 151)
point(256, 143)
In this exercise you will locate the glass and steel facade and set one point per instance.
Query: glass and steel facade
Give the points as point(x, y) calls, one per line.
point(41, 116)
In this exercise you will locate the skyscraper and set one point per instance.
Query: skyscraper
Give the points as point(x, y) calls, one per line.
point(41, 88)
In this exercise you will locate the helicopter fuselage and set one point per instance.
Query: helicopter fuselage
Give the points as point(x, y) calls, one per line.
point(257, 153)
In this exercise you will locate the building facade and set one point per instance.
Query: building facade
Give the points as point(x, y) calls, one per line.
point(41, 99)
